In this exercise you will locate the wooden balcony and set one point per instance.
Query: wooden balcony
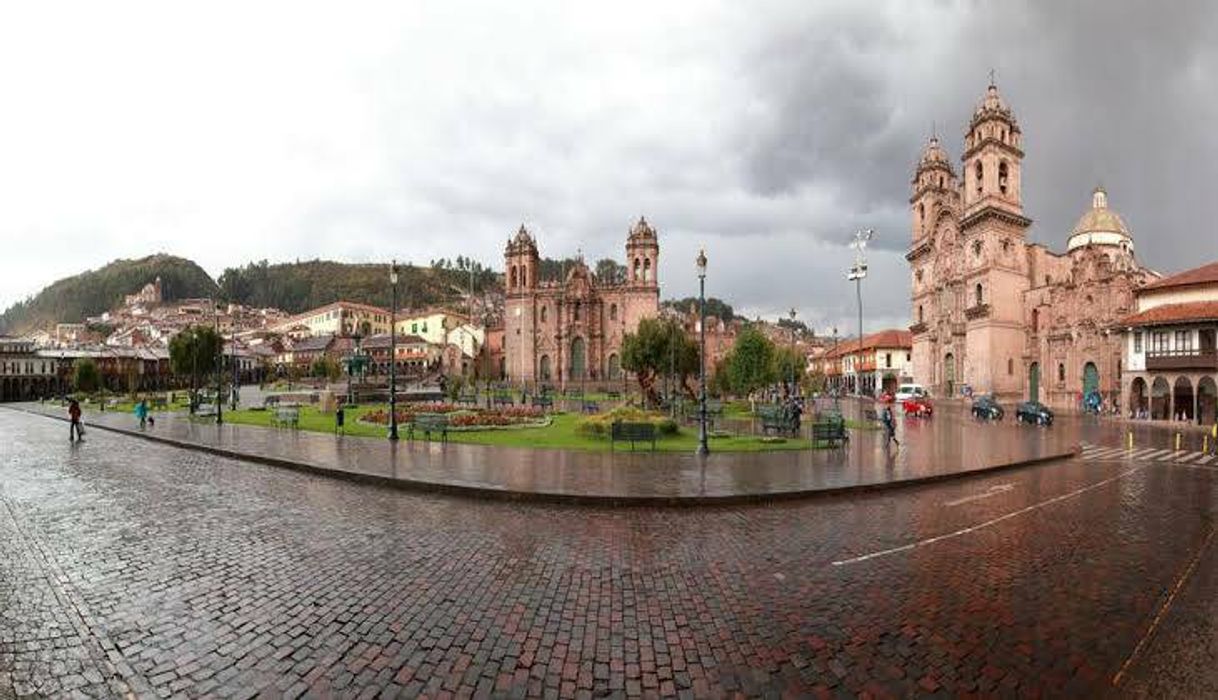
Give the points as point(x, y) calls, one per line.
point(1206, 360)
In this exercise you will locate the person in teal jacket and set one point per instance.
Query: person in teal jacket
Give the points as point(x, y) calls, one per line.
point(141, 412)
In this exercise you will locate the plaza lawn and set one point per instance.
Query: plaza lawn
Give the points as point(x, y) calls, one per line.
point(559, 434)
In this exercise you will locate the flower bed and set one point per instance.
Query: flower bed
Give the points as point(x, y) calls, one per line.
point(464, 418)
point(598, 425)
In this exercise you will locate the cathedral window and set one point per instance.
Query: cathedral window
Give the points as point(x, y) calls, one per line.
point(575, 311)
point(647, 270)
point(978, 293)
point(921, 214)
point(980, 169)
point(918, 275)
point(637, 268)
point(1061, 372)
point(977, 248)
point(513, 277)
point(1002, 177)
point(1010, 366)
point(1006, 245)
point(613, 312)
point(543, 314)
point(920, 317)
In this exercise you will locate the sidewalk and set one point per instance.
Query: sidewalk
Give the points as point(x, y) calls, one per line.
point(930, 450)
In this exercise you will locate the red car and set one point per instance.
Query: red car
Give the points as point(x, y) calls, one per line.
point(918, 407)
point(885, 397)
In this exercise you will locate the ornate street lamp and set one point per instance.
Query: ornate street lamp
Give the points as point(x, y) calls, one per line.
point(792, 351)
point(393, 352)
point(219, 361)
point(857, 272)
point(703, 448)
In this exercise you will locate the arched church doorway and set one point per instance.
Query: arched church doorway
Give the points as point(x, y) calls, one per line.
point(578, 358)
point(949, 374)
point(1091, 379)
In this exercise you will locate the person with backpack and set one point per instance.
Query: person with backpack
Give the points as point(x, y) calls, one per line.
point(75, 430)
point(890, 427)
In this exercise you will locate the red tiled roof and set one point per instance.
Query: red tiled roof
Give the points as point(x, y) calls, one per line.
point(891, 338)
point(1174, 313)
point(1206, 274)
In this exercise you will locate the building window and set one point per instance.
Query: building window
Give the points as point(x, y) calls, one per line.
point(1061, 372)
point(1184, 341)
point(980, 176)
point(613, 312)
point(977, 248)
point(1006, 245)
point(978, 293)
point(918, 275)
point(1137, 341)
point(888, 360)
point(1158, 342)
point(575, 311)
point(920, 318)
point(1002, 177)
point(908, 357)
point(543, 314)
point(1010, 366)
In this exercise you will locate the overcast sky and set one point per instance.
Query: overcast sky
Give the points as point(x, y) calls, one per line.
point(765, 131)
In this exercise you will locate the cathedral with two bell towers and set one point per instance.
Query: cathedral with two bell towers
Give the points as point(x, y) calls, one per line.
point(995, 313)
point(571, 329)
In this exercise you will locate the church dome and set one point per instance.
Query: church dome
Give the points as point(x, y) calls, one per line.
point(1100, 225)
point(642, 230)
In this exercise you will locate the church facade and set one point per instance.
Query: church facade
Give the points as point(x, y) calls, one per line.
point(995, 313)
point(571, 329)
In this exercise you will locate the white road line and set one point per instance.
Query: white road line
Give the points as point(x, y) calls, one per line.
point(988, 523)
point(1143, 453)
point(992, 491)
point(1207, 460)
point(1186, 457)
point(1158, 454)
point(1110, 453)
point(1154, 624)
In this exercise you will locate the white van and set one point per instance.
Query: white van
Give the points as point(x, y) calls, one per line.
point(910, 391)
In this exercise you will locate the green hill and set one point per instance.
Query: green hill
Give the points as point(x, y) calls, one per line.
point(72, 299)
point(298, 286)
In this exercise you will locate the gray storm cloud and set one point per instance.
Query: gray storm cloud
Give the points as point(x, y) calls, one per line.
point(766, 132)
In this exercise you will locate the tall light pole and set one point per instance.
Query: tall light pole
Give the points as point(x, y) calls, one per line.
point(219, 361)
point(857, 272)
point(703, 448)
point(233, 358)
point(793, 354)
point(393, 351)
point(837, 389)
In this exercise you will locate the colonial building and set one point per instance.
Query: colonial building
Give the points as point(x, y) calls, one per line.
point(342, 318)
point(24, 373)
point(880, 363)
point(1171, 357)
point(994, 312)
point(572, 328)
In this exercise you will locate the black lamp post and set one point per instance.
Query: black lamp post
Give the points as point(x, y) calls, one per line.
point(703, 448)
point(837, 390)
point(393, 352)
point(792, 351)
point(219, 361)
point(858, 271)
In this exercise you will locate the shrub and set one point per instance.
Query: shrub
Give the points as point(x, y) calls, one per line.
point(598, 425)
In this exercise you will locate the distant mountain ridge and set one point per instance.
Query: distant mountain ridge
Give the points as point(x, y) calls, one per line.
point(293, 287)
point(72, 299)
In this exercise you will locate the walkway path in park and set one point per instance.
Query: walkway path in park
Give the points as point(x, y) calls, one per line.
point(930, 449)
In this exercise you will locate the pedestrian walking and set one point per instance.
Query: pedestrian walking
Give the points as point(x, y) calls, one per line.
point(75, 430)
point(340, 420)
point(141, 412)
point(890, 427)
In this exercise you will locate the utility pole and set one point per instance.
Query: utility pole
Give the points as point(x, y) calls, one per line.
point(857, 272)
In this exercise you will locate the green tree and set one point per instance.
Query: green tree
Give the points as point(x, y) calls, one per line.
point(85, 375)
point(193, 353)
point(789, 365)
point(750, 364)
point(325, 368)
point(656, 349)
point(714, 307)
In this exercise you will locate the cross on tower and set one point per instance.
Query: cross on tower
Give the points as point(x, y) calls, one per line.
point(991, 76)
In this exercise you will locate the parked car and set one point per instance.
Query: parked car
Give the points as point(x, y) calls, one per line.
point(986, 407)
point(918, 407)
point(911, 391)
point(1033, 412)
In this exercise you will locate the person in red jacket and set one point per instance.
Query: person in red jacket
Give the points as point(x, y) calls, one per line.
point(75, 431)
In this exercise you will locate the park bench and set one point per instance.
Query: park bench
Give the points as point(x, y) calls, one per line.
point(544, 402)
point(614, 395)
point(429, 423)
point(777, 418)
point(159, 402)
point(467, 399)
point(205, 409)
point(287, 416)
point(831, 431)
point(503, 399)
point(620, 431)
point(590, 407)
point(546, 389)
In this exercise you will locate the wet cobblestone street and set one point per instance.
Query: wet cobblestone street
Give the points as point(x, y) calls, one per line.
point(133, 567)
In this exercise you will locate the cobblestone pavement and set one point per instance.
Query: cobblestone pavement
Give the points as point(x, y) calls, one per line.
point(130, 567)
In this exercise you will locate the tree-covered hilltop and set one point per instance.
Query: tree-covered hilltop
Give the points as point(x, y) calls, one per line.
point(714, 307)
point(298, 286)
point(72, 299)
